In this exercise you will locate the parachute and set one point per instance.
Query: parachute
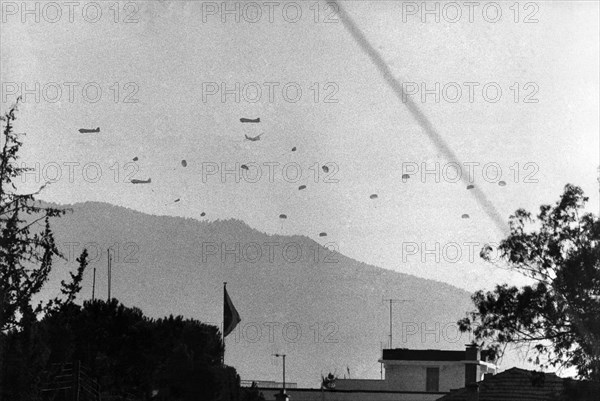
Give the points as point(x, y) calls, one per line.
point(325, 169)
point(465, 216)
point(470, 186)
point(323, 235)
point(184, 163)
point(244, 167)
point(301, 187)
point(502, 183)
point(202, 214)
point(282, 216)
point(405, 176)
point(253, 138)
point(374, 196)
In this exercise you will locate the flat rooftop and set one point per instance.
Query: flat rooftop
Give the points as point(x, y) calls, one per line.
point(405, 354)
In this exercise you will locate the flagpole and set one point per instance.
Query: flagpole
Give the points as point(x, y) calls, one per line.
point(223, 324)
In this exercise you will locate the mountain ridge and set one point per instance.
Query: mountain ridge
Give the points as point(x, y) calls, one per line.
point(323, 309)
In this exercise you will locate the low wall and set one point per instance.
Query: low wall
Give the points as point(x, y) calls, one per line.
point(309, 394)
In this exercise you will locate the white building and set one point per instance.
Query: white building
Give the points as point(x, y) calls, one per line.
point(410, 375)
point(429, 370)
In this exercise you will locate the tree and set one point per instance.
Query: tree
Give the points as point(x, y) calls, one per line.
point(127, 352)
point(328, 382)
point(25, 255)
point(27, 249)
point(558, 316)
point(252, 393)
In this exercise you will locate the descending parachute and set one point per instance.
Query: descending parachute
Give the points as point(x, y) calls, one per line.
point(184, 163)
point(202, 214)
point(323, 235)
point(253, 138)
point(301, 187)
point(293, 150)
point(135, 159)
point(465, 216)
point(502, 183)
point(470, 186)
point(405, 176)
point(325, 169)
point(374, 196)
point(282, 217)
point(244, 167)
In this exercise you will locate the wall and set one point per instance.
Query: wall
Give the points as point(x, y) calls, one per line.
point(338, 395)
point(361, 384)
point(412, 376)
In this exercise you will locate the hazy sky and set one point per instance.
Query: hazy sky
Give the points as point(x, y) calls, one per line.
point(175, 55)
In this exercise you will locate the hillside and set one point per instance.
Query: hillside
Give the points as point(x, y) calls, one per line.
point(324, 310)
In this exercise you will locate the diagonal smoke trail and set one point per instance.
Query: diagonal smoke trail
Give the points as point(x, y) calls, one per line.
point(423, 121)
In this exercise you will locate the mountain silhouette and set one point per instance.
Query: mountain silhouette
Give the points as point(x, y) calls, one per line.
point(321, 308)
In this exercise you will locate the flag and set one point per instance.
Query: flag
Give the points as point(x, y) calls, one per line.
point(231, 317)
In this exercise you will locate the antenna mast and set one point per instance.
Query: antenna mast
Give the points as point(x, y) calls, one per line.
point(94, 285)
point(393, 301)
point(109, 271)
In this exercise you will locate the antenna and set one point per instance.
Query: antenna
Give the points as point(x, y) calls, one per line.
point(598, 191)
point(282, 355)
point(394, 301)
point(94, 285)
point(109, 272)
point(381, 363)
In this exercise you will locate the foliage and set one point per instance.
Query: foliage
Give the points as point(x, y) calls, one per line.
point(559, 314)
point(173, 358)
point(328, 381)
point(252, 393)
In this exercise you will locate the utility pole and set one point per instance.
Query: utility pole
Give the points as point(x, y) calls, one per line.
point(598, 191)
point(282, 355)
point(393, 301)
point(109, 271)
point(381, 363)
point(94, 285)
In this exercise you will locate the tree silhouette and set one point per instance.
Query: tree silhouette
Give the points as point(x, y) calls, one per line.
point(25, 254)
point(559, 315)
point(27, 249)
point(128, 353)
